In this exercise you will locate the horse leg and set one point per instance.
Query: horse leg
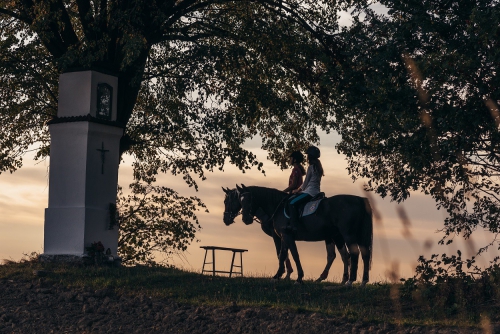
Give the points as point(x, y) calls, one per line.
point(277, 244)
point(283, 255)
point(295, 255)
point(366, 243)
point(289, 269)
point(365, 255)
point(330, 257)
point(354, 251)
point(344, 255)
point(339, 240)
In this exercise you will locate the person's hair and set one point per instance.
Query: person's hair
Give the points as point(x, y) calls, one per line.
point(297, 156)
point(302, 169)
point(318, 168)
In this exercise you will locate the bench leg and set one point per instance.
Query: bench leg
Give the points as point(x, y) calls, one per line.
point(204, 261)
point(213, 262)
point(232, 263)
point(241, 263)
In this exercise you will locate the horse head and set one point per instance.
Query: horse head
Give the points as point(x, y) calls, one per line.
point(247, 209)
point(232, 205)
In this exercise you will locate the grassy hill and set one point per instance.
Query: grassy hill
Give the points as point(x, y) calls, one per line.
point(376, 303)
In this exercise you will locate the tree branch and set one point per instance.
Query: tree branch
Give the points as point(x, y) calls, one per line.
point(14, 15)
point(297, 19)
point(186, 7)
point(68, 33)
point(85, 16)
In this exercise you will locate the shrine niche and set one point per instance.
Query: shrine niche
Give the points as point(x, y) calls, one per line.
point(104, 101)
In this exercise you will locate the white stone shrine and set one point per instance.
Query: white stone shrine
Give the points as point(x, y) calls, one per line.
point(84, 159)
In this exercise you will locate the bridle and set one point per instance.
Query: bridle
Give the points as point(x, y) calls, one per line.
point(231, 214)
point(254, 217)
point(248, 210)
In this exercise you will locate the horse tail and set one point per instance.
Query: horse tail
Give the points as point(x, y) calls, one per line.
point(367, 228)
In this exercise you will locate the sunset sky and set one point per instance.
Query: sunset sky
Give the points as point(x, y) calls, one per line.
point(24, 196)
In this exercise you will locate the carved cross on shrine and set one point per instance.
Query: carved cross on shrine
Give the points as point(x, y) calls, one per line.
point(103, 152)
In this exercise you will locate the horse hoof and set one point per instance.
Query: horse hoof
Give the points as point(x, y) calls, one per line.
point(323, 276)
point(299, 282)
point(287, 277)
point(363, 283)
point(348, 284)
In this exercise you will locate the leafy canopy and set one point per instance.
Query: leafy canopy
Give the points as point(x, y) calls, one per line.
point(197, 79)
point(417, 106)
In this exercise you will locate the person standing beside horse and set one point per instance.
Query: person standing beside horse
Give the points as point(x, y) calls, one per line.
point(308, 189)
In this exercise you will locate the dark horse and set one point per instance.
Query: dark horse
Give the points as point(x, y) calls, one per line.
point(341, 217)
point(233, 206)
point(266, 217)
point(266, 226)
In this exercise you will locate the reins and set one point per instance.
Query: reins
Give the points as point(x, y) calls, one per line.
point(253, 215)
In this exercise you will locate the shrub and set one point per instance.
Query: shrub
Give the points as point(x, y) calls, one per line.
point(451, 285)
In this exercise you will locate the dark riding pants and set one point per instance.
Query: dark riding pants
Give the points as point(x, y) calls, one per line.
point(295, 203)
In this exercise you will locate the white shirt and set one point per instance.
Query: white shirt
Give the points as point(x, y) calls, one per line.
point(312, 182)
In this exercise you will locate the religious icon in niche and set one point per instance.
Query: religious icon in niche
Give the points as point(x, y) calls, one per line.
point(104, 100)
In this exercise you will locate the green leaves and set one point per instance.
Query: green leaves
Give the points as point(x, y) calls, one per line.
point(412, 106)
point(155, 219)
point(228, 71)
point(197, 79)
point(28, 94)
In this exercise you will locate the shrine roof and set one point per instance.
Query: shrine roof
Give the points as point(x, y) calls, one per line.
point(85, 118)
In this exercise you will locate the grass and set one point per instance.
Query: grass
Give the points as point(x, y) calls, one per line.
point(375, 303)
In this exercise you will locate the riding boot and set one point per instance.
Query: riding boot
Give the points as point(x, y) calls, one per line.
point(294, 218)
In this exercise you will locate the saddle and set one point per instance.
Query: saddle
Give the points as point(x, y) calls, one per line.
point(308, 208)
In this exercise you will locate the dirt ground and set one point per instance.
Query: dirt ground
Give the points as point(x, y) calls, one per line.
point(38, 307)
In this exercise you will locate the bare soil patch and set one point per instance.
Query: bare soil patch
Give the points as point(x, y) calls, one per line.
point(40, 306)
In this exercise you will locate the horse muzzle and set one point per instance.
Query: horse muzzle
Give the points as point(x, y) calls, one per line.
point(247, 219)
point(228, 218)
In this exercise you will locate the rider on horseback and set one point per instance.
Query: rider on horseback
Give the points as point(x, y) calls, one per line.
point(298, 171)
point(310, 187)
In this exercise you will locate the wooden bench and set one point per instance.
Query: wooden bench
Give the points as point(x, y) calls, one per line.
point(231, 272)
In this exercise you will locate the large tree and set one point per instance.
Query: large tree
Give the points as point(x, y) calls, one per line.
point(417, 106)
point(197, 79)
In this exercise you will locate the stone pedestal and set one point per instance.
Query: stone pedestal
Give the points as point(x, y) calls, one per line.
point(84, 159)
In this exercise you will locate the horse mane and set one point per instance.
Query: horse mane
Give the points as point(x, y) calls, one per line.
point(267, 197)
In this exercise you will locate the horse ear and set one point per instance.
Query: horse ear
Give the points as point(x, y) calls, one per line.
point(238, 187)
point(225, 190)
point(243, 186)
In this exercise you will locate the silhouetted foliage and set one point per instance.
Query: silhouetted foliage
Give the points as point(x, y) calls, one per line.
point(196, 79)
point(417, 106)
point(450, 285)
point(155, 220)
